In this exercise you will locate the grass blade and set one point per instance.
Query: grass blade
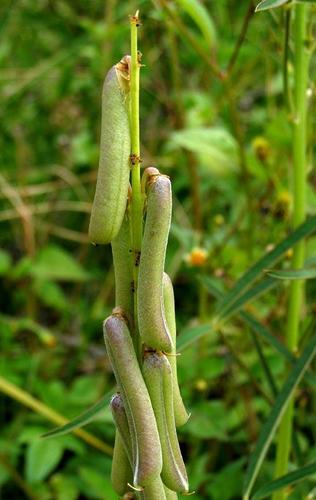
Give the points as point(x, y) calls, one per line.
point(293, 274)
point(270, 4)
point(82, 419)
point(253, 293)
point(266, 262)
point(286, 480)
point(191, 335)
point(269, 428)
point(200, 15)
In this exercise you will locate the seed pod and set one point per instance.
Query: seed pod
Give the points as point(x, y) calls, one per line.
point(151, 319)
point(180, 413)
point(154, 490)
point(141, 419)
point(158, 377)
point(121, 423)
point(115, 146)
point(170, 495)
point(123, 271)
point(121, 471)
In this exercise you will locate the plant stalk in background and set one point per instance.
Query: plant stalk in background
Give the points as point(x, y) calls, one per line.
point(299, 213)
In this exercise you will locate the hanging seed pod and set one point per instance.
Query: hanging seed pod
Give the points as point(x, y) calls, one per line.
point(170, 495)
point(141, 419)
point(180, 413)
point(115, 146)
point(151, 318)
point(121, 471)
point(123, 270)
point(155, 490)
point(158, 377)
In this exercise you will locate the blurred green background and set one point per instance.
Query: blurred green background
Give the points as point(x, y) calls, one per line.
point(226, 145)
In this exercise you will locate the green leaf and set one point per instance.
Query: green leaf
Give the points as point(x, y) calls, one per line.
point(41, 458)
point(200, 15)
point(51, 294)
point(191, 335)
point(5, 262)
point(269, 428)
point(216, 147)
point(293, 274)
point(286, 480)
point(54, 263)
point(250, 295)
point(266, 262)
point(270, 4)
point(82, 419)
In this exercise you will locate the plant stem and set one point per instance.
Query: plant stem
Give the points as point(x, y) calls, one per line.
point(136, 203)
point(23, 397)
point(299, 213)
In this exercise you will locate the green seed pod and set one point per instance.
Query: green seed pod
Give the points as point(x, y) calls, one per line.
point(154, 490)
point(170, 495)
point(158, 377)
point(123, 270)
point(151, 319)
point(121, 471)
point(180, 413)
point(113, 175)
point(141, 419)
point(121, 423)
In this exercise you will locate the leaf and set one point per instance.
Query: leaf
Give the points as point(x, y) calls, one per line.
point(51, 294)
point(267, 261)
point(54, 263)
point(5, 262)
point(216, 145)
point(250, 295)
point(82, 419)
point(293, 274)
point(41, 458)
point(270, 4)
point(191, 335)
point(286, 480)
point(200, 15)
point(281, 403)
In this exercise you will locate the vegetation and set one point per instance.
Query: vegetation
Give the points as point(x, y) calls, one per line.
point(225, 101)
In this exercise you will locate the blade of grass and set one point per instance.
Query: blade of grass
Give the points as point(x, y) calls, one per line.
point(269, 428)
point(83, 419)
point(254, 293)
point(292, 274)
point(287, 480)
point(265, 262)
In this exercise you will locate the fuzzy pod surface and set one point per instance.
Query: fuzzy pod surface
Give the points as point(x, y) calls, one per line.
point(158, 378)
point(152, 324)
point(123, 269)
point(121, 423)
point(121, 471)
point(147, 457)
point(115, 145)
point(180, 413)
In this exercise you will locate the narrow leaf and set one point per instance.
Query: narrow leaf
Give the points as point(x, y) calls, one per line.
point(286, 480)
point(200, 15)
point(254, 293)
point(267, 261)
point(293, 274)
point(270, 4)
point(281, 403)
point(191, 335)
point(82, 419)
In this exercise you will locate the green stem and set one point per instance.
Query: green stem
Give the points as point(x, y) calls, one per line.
point(299, 213)
point(136, 203)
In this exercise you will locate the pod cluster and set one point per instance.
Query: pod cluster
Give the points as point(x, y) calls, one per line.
point(140, 334)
